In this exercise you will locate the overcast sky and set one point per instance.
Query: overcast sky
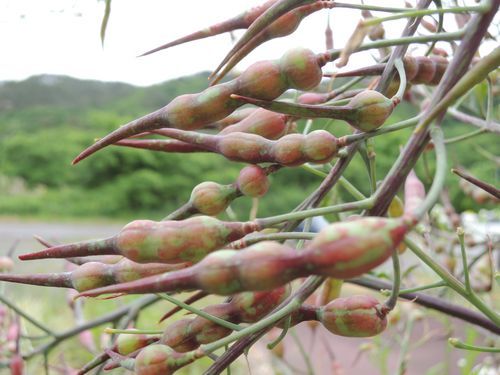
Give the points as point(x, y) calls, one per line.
point(62, 37)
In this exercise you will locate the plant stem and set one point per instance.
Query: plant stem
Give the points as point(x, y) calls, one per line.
point(423, 12)
point(133, 331)
point(393, 298)
point(405, 345)
point(464, 137)
point(437, 284)
point(305, 355)
point(203, 314)
point(344, 182)
point(386, 129)
point(402, 80)
point(452, 282)
point(472, 120)
point(281, 236)
point(370, 7)
point(439, 177)
point(461, 345)
point(300, 215)
point(460, 234)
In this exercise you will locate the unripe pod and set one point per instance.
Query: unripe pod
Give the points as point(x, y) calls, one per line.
point(210, 198)
point(355, 316)
point(300, 66)
point(147, 241)
point(253, 181)
point(128, 343)
point(93, 275)
point(341, 250)
point(370, 110)
point(318, 146)
point(160, 360)
point(414, 191)
point(274, 84)
point(265, 123)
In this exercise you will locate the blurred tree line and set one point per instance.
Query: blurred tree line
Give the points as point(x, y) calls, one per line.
point(45, 121)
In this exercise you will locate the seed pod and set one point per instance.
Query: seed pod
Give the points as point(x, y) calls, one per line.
point(16, 365)
point(248, 307)
point(283, 26)
point(252, 181)
point(355, 316)
point(210, 198)
point(341, 250)
point(93, 275)
point(299, 68)
point(419, 69)
point(265, 123)
point(241, 21)
point(366, 111)
point(414, 193)
point(129, 343)
point(160, 360)
point(146, 241)
point(318, 146)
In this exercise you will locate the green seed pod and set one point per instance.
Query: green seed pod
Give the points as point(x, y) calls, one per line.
point(355, 316)
point(253, 181)
point(252, 306)
point(263, 79)
point(160, 360)
point(210, 198)
point(319, 146)
point(370, 109)
point(301, 68)
point(146, 241)
point(129, 343)
point(265, 123)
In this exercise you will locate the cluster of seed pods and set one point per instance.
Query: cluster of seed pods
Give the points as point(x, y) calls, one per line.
point(299, 68)
point(341, 250)
point(211, 198)
point(354, 316)
point(147, 241)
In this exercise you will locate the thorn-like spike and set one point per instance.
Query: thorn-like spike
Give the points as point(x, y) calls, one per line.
point(59, 280)
point(98, 247)
point(151, 121)
point(160, 145)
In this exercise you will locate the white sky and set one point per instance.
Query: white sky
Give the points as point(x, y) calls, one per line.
point(62, 37)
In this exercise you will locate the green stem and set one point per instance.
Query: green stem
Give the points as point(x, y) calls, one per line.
point(282, 335)
point(460, 234)
point(133, 331)
point(300, 215)
point(281, 236)
point(423, 12)
point(453, 282)
point(393, 298)
point(201, 313)
point(465, 136)
point(437, 284)
point(386, 129)
point(344, 182)
point(370, 7)
point(294, 304)
point(371, 155)
point(453, 341)
point(439, 177)
point(335, 53)
point(402, 80)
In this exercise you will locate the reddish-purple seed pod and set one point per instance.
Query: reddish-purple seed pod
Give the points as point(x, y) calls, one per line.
point(290, 150)
point(161, 360)
point(146, 241)
point(414, 193)
point(93, 275)
point(267, 124)
point(354, 316)
point(253, 181)
point(341, 250)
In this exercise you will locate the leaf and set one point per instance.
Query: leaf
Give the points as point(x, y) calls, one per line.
point(105, 19)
